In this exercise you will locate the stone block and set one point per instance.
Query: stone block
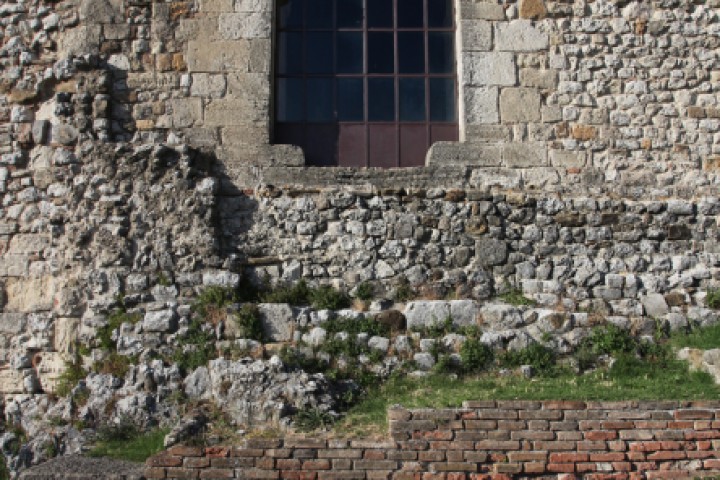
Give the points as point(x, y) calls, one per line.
point(540, 177)
point(220, 278)
point(278, 321)
point(485, 178)
point(464, 312)
point(80, 40)
point(185, 112)
point(488, 133)
point(164, 321)
point(120, 31)
point(519, 105)
point(217, 6)
point(93, 12)
point(11, 381)
point(654, 304)
point(208, 85)
point(246, 135)
point(481, 10)
point(12, 323)
point(204, 28)
point(202, 137)
point(226, 112)
point(519, 36)
point(532, 9)
point(481, 105)
point(568, 159)
point(30, 294)
point(217, 56)
point(491, 251)
point(538, 78)
point(235, 26)
point(489, 68)
point(524, 155)
point(260, 55)
point(66, 333)
point(456, 153)
point(426, 312)
point(476, 35)
point(49, 366)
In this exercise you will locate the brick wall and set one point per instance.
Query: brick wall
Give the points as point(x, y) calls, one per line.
point(484, 440)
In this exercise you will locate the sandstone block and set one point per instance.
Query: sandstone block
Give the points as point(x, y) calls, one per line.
point(538, 78)
point(186, 112)
point(524, 155)
point(519, 105)
point(234, 26)
point(66, 333)
point(101, 11)
point(482, 10)
point(217, 56)
point(489, 68)
point(30, 294)
point(540, 177)
point(568, 159)
point(532, 9)
point(11, 381)
point(481, 105)
point(476, 35)
point(485, 178)
point(80, 40)
point(226, 112)
point(12, 323)
point(455, 153)
point(208, 85)
point(217, 6)
point(519, 36)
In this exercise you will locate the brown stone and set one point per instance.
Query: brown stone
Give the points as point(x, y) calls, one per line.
point(180, 10)
point(163, 62)
point(696, 112)
point(22, 96)
point(533, 9)
point(646, 143)
point(393, 319)
point(562, 130)
point(583, 132)
point(144, 124)
point(178, 62)
point(711, 164)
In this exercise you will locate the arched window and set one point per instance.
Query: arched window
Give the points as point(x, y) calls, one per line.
point(365, 82)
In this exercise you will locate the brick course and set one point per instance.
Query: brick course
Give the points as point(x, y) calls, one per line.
point(563, 440)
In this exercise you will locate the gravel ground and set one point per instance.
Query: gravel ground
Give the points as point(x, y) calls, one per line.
point(75, 467)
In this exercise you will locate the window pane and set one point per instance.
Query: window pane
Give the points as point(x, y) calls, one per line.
point(412, 99)
point(289, 53)
point(411, 52)
point(320, 100)
point(290, 13)
point(381, 55)
point(381, 99)
point(349, 13)
point(290, 100)
point(442, 99)
point(351, 99)
point(379, 13)
point(440, 13)
point(410, 13)
point(319, 52)
point(350, 52)
point(441, 52)
point(320, 14)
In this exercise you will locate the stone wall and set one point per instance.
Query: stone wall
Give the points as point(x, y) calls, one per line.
point(483, 440)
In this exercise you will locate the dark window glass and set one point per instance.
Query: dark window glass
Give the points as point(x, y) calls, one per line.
point(351, 99)
point(381, 99)
point(290, 53)
point(319, 14)
point(440, 14)
point(318, 52)
point(441, 52)
point(349, 13)
point(290, 13)
point(381, 56)
point(412, 99)
point(410, 13)
point(290, 100)
point(350, 52)
point(379, 13)
point(320, 96)
point(442, 99)
point(411, 52)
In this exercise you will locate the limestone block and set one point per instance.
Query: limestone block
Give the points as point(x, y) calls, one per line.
point(481, 10)
point(538, 78)
point(476, 35)
point(540, 177)
point(234, 26)
point(456, 153)
point(278, 321)
point(11, 381)
point(49, 366)
point(245, 135)
point(252, 6)
point(260, 56)
point(250, 87)
point(198, 28)
point(524, 155)
point(519, 105)
point(160, 321)
point(426, 312)
point(221, 278)
point(217, 56)
point(464, 312)
point(80, 40)
point(66, 334)
point(226, 112)
point(532, 9)
point(499, 316)
point(13, 265)
point(116, 31)
point(201, 137)
point(481, 105)
point(12, 323)
point(568, 159)
point(216, 6)
point(519, 36)
point(186, 112)
point(485, 178)
point(654, 304)
point(491, 251)
point(489, 68)
point(101, 11)
point(487, 133)
point(30, 294)
point(208, 85)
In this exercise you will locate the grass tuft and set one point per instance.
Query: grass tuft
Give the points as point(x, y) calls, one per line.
point(136, 448)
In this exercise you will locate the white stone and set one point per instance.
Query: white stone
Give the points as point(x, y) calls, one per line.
point(519, 36)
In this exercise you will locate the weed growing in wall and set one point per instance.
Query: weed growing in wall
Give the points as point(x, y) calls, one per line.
point(475, 355)
point(310, 419)
point(68, 380)
point(249, 322)
point(713, 299)
point(540, 357)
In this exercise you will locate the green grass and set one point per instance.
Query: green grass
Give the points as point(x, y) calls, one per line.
point(703, 338)
point(137, 449)
point(629, 379)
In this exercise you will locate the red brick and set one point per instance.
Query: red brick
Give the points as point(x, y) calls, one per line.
point(701, 455)
point(218, 452)
point(568, 457)
point(254, 473)
point(452, 445)
point(266, 463)
point(527, 456)
point(184, 451)
point(601, 435)
point(622, 466)
point(414, 445)
point(196, 462)
point(278, 452)
point(455, 455)
point(341, 464)
point(607, 457)
point(645, 466)
point(217, 473)
point(669, 474)
point(177, 472)
point(164, 460)
point(453, 467)
point(264, 443)
point(305, 443)
point(645, 446)
point(704, 435)
point(340, 475)
point(154, 473)
point(511, 425)
point(564, 405)
point(651, 424)
point(694, 414)
point(431, 456)
point(617, 425)
point(246, 452)
point(561, 467)
point(378, 475)
point(667, 455)
point(526, 435)
point(374, 455)
point(534, 467)
point(297, 475)
point(288, 464)
point(407, 476)
point(680, 425)
point(541, 414)
point(554, 445)
point(585, 467)
point(316, 465)
point(507, 468)
point(617, 446)
point(375, 465)
point(495, 445)
point(456, 476)
point(232, 462)
point(714, 464)
point(591, 446)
